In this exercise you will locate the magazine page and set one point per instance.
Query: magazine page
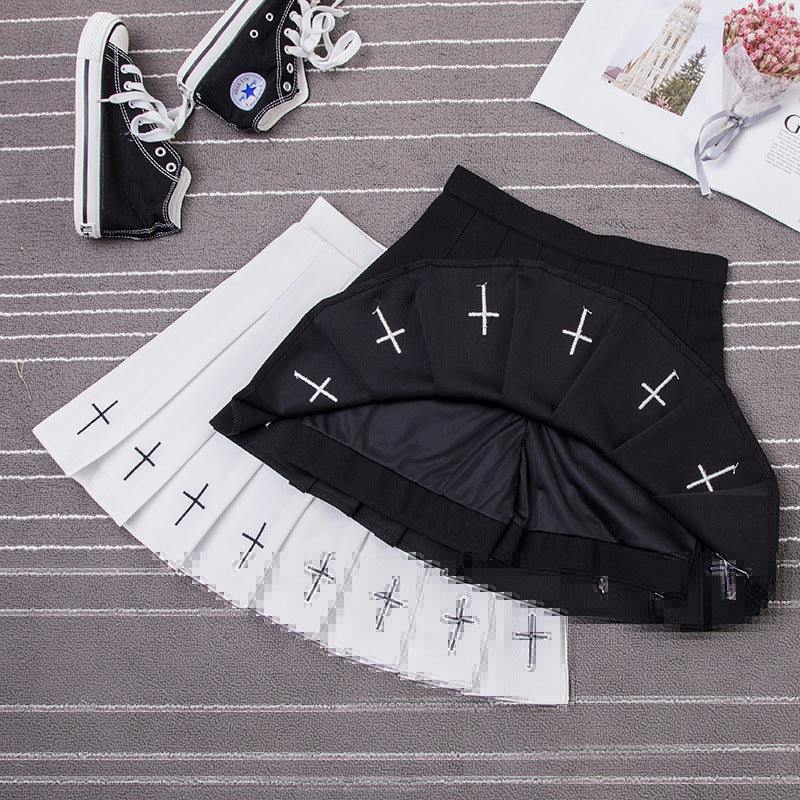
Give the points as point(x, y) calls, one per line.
point(649, 73)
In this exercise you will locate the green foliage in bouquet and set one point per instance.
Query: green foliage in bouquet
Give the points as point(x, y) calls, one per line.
point(675, 94)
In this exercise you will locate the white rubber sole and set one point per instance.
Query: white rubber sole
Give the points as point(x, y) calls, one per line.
point(176, 201)
point(282, 109)
point(96, 33)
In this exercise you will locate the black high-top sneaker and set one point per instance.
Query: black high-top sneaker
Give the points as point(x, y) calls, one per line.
point(249, 68)
point(128, 181)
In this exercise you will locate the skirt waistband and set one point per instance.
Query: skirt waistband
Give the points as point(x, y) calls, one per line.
point(613, 250)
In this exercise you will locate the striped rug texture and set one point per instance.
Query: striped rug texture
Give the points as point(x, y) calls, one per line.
point(121, 679)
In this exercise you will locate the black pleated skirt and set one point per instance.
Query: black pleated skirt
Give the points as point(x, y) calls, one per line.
point(537, 409)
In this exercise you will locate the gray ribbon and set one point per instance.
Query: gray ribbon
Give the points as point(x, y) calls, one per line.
point(717, 144)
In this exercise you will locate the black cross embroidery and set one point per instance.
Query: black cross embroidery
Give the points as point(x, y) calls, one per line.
point(389, 602)
point(320, 387)
point(459, 620)
point(391, 336)
point(578, 335)
point(706, 478)
point(319, 573)
point(653, 394)
point(145, 458)
point(100, 415)
point(532, 635)
point(195, 502)
point(484, 313)
point(254, 543)
point(728, 573)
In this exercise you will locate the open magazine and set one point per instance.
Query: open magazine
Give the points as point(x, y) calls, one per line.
point(649, 75)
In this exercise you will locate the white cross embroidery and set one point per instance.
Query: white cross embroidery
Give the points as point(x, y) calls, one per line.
point(389, 602)
point(101, 414)
point(459, 620)
point(728, 573)
point(195, 502)
point(320, 388)
point(706, 479)
point(255, 542)
point(391, 336)
point(654, 392)
point(532, 635)
point(145, 459)
point(578, 334)
point(483, 313)
point(319, 573)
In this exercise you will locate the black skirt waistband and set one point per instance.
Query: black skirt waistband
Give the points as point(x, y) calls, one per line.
point(613, 250)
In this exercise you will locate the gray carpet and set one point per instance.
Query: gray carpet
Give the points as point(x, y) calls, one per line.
point(121, 682)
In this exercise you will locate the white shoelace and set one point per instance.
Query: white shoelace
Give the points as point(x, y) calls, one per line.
point(314, 24)
point(162, 123)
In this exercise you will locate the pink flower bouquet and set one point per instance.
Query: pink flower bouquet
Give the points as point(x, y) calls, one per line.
point(761, 57)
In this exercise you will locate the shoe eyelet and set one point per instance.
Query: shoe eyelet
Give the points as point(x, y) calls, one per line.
point(161, 152)
point(287, 87)
point(254, 34)
point(286, 32)
point(286, 49)
point(268, 16)
point(126, 86)
point(290, 68)
point(171, 167)
point(130, 104)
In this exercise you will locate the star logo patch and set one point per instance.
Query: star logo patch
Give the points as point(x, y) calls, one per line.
point(246, 90)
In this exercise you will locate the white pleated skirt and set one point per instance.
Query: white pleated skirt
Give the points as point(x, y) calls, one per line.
point(139, 442)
